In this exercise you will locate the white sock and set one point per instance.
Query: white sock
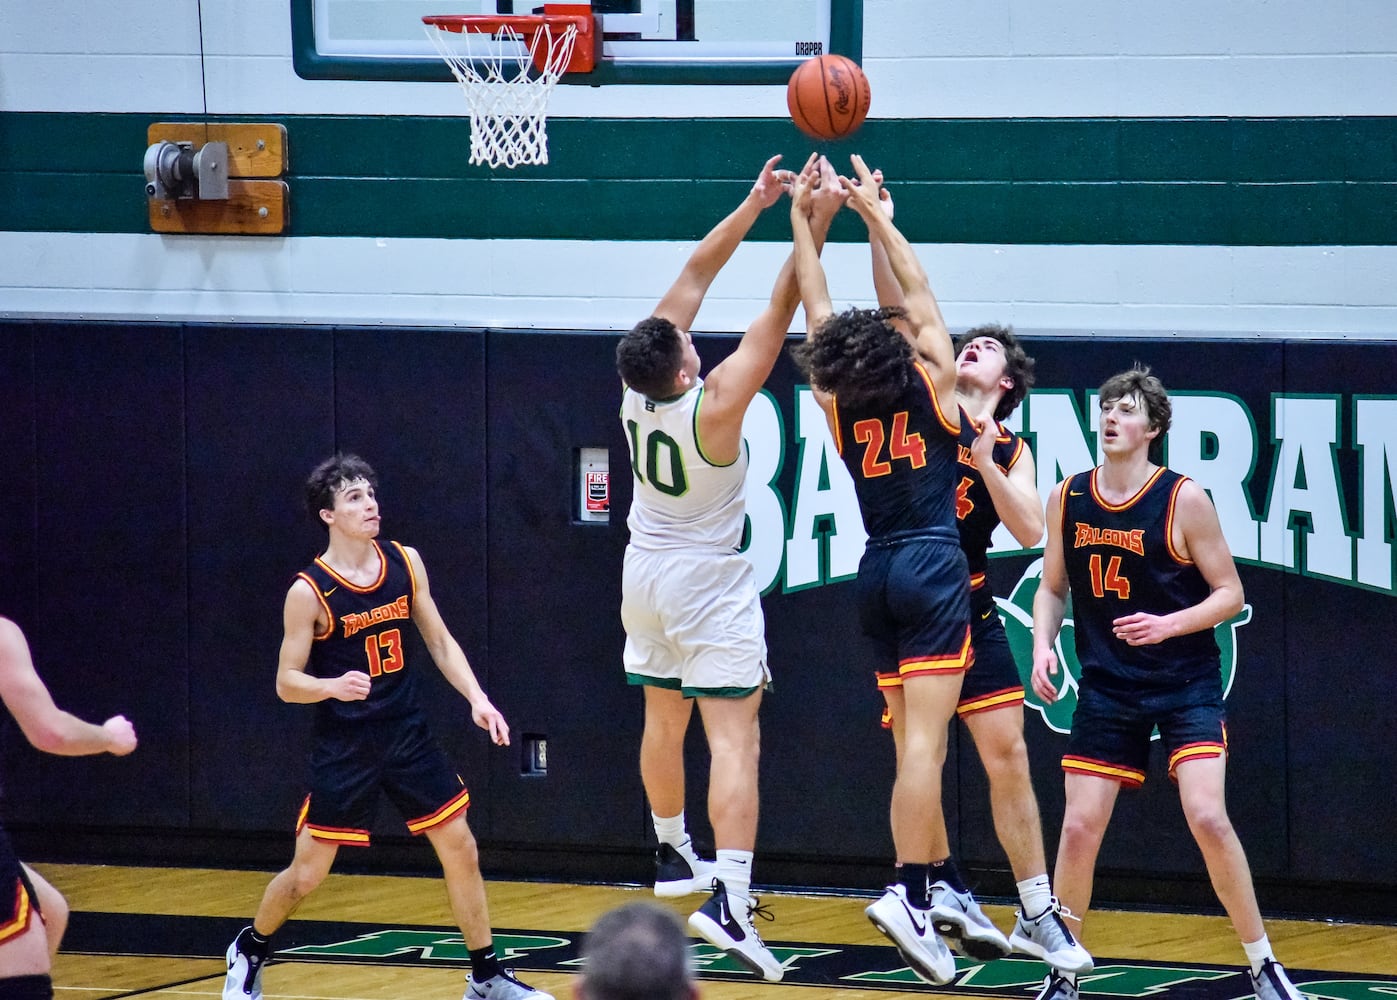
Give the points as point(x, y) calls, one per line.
point(1036, 895)
point(671, 830)
point(735, 872)
point(1258, 952)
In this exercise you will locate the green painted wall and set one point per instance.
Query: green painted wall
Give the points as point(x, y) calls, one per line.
point(1224, 181)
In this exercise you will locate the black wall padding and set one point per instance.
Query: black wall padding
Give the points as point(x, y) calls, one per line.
point(153, 520)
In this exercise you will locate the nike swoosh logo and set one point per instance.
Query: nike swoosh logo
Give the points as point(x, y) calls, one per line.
point(1074, 493)
point(986, 615)
point(731, 926)
point(920, 925)
point(327, 593)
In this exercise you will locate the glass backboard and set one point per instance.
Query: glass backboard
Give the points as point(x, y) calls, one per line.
point(643, 41)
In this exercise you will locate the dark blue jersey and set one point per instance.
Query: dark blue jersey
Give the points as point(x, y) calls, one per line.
point(1120, 559)
point(975, 513)
point(903, 460)
point(366, 632)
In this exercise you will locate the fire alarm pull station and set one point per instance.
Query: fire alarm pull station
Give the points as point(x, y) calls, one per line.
point(594, 483)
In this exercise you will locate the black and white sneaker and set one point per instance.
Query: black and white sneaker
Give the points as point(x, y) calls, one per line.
point(244, 978)
point(676, 876)
point(729, 927)
point(958, 915)
point(1057, 987)
point(1047, 937)
point(502, 986)
point(1272, 983)
point(914, 933)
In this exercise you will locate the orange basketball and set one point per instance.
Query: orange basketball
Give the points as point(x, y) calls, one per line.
point(828, 97)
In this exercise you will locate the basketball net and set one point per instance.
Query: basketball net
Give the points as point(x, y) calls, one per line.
point(508, 108)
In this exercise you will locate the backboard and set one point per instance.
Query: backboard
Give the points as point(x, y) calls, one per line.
point(643, 41)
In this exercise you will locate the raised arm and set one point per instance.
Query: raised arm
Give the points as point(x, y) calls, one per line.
point(730, 386)
point(805, 255)
point(46, 726)
point(929, 335)
point(681, 303)
point(885, 284)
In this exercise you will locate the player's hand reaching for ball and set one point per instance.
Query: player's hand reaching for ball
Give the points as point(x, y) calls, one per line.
point(771, 183)
point(864, 190)
point(829, 195)
point(803, 187)
point(350, 686)
point(885, 198)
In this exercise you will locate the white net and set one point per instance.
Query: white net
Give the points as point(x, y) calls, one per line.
point(508, 106)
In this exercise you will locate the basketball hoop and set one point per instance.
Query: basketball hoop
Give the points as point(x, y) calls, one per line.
point(491, 57)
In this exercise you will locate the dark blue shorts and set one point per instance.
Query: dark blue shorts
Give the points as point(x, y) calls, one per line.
point(351, 765)
point(913, 598)
point(993, 680)
point(1111, 734)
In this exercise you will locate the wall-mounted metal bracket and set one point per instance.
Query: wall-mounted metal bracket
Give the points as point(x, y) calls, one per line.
point(198, 178)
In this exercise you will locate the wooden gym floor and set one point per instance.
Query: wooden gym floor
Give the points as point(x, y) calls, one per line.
point(159, 933)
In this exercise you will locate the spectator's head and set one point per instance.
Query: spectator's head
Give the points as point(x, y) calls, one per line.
point(636, 952)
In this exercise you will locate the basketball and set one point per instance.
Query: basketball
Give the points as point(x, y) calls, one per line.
point(828, 97)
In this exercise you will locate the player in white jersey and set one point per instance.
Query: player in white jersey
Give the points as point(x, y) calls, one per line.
point(690, 602)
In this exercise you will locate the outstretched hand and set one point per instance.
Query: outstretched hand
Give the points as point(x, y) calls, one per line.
point(817, 191)
point(803, 187)
point(829, 195)
point(885, 198)
point(771, 182)
point(864, 190)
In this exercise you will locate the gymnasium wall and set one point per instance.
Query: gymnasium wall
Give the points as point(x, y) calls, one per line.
point(1085, 167)
point(154, 522)
point(1207, 189)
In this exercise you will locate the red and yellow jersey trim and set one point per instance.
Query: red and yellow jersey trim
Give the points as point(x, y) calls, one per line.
point(1006, 698)
point(1169, 524)
point(329, 629)
point(834, 426)
point(20, 913)
point(457, 805)
point(977, 580)
point(946, 425)
point(1018, 452)
point(1131, 501)
point(1129, 776)
point(954, 663)
point(411, 573)
point(382, 573)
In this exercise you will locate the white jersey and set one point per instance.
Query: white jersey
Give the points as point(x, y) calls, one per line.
point(682, 500)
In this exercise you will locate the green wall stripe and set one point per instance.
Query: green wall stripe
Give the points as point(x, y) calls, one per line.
point(1227, 181)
